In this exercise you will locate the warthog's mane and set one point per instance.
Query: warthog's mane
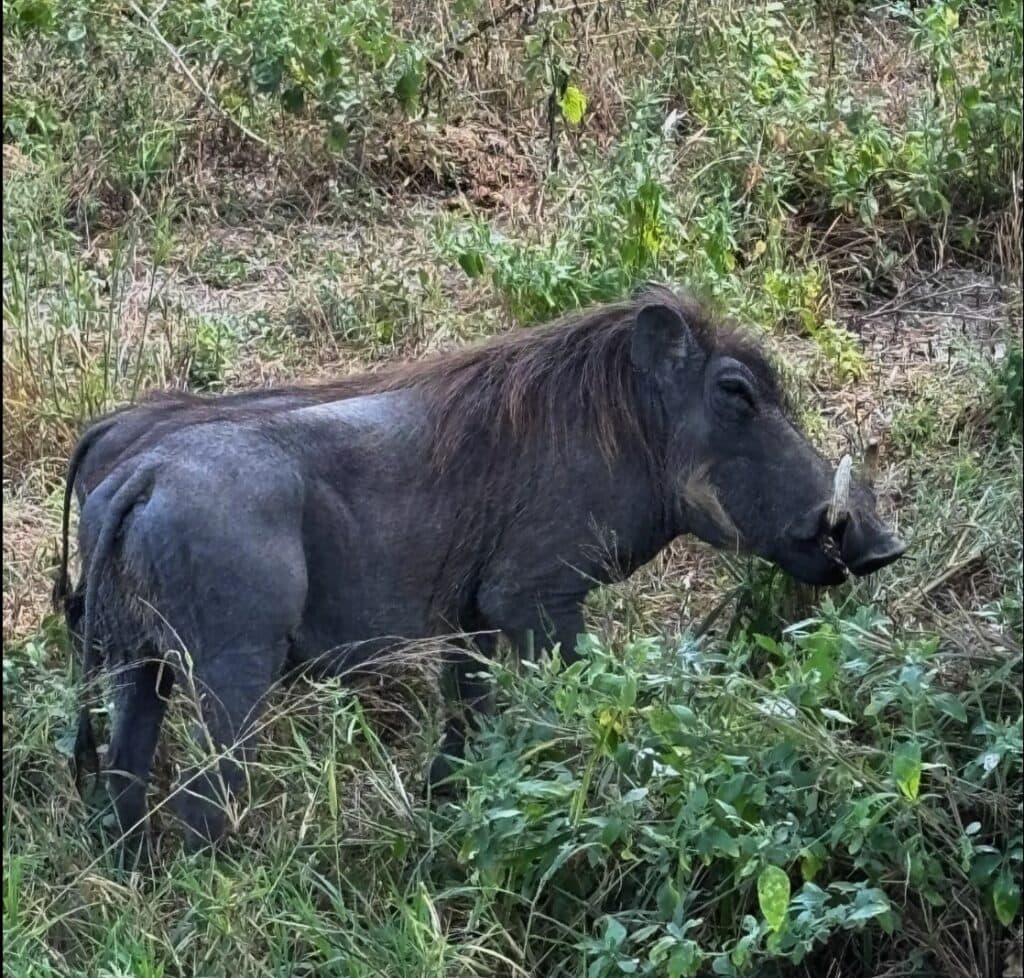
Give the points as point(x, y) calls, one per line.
point(545, 380)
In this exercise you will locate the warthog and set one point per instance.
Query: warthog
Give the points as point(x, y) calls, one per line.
point(485, 491)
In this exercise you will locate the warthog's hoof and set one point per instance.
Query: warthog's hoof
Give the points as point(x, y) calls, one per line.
point(132, 850)
point(201, 812)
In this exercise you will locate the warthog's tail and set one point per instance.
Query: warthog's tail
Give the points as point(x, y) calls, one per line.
point(126, 496)
point(61, 585)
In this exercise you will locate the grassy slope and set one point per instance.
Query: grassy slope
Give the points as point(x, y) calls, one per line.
point(619, 817)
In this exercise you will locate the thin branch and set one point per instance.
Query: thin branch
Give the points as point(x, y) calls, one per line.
point(179, 62)
point(952, 569)
point(482, 27)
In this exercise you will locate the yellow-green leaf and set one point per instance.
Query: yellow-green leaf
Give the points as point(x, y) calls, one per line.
point(332, 788)
point(574, 105)
point(773, 896)
point(810, 864)
point(906, 768)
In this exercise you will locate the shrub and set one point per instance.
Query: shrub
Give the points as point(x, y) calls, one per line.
point(679, 807)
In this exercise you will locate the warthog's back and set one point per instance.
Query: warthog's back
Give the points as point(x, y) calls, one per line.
point(338, 496)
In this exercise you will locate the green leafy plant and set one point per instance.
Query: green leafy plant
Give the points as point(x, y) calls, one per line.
point(1007, 395)
point(625, 231)
point(693, 796)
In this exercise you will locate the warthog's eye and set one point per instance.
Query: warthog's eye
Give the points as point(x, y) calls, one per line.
point(739, 391)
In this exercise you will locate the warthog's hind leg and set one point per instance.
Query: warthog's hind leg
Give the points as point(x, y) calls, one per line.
point(231, 689)
point(140, 700)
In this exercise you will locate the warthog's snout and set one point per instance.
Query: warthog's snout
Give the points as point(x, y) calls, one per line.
point(846, 531)
point(867, 548)
point(858, 541)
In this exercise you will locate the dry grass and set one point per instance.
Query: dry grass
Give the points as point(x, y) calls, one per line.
point(238, 264)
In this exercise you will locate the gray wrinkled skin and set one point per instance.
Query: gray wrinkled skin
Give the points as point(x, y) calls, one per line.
point(320, 535)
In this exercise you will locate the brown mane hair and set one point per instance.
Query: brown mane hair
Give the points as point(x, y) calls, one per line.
point(574, 371)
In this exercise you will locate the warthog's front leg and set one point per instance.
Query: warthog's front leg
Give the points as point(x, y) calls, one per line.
point(545, 632)
point(531, 635)
point(467, 688)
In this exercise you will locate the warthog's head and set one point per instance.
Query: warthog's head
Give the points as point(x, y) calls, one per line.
point(741, 474)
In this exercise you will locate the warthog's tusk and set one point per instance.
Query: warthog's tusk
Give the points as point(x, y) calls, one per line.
point(839, 508)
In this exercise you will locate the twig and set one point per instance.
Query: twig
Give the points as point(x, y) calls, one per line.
point(988, 635)
point(951, 314)
point(482, 27)
point(716, 612)
point(950, 572)
point(894, 305)
point(186, 71)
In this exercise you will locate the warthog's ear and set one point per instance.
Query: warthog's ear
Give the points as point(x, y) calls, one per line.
point(660, 335)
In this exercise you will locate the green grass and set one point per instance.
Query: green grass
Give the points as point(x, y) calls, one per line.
point(742, 777)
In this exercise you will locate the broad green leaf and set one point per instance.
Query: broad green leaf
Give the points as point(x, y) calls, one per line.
point(683, 713)
point(407, 88)
point(984, 866)
point(868, 208)
point(627, 695)
point(337, 137)
point(1006, 898)
point(498, 813)
point(822, 647)
point(667, 900)
point(267, 74)
point(614, 933)
point(472, 263)
point(869, 904)
point(951, 706)
point(906, 768)
point(773, 895)
point(661, 949)
point(294, 99)
point(37, 14)
point(769, 645)
point(331, 62)
point(554, 790)
point(714, 842)
point(685, 961)
point(574, 105)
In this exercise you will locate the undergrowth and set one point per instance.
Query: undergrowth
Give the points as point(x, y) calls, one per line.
point(766, 782)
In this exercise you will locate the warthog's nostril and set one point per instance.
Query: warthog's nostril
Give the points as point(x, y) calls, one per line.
point(832, 529)
point(837, 530)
